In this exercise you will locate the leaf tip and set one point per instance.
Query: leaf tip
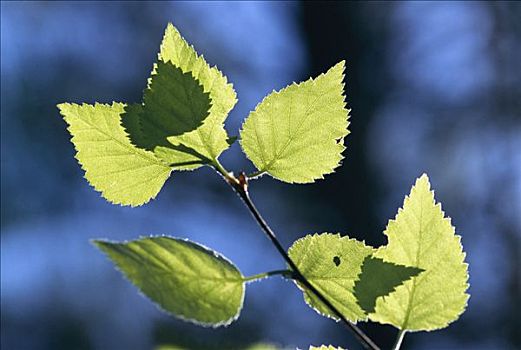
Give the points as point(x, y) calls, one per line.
point(341, 64)
point(170, 30)
point(424, 178)
point(63, 105)
point(338, 68)
point(101, 244)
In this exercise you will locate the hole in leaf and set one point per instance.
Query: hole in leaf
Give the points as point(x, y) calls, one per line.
point(336, 260)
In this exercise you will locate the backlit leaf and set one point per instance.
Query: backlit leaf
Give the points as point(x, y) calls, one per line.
point(204, 138)
point(344, 271)
point(331, 263)
point(297, 134)
point(183, 278)
point(123, 173)
point(422, 237)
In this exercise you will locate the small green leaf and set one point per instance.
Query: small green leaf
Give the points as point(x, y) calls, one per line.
point(331, 263)
point(184, 278)
point(208, 140)
point(422, 237)
point(123, 173)
point(379, 278)
point(296, 135)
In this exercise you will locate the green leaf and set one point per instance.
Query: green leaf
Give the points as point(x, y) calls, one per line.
point(184, 278)
point(296, 135)
point(344, 271)
point(379, 278)
point(204, 142)
point(422, 237)
point(123, 173)
point(174, 103)
point(331, 263)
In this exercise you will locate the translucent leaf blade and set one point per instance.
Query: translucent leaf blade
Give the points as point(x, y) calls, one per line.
point(296, 134)
point(345, 272)
point(210, 138)
point(331, 263)
point(183, 278)
point(421, 236)
point(123, 173)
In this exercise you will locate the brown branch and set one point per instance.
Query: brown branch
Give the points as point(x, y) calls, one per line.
point(240, 185)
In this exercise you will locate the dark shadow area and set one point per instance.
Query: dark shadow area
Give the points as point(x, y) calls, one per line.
point(379, 278)
point(173, 104)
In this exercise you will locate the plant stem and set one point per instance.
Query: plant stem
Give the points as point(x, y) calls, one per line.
point(362, 337)
point(240, 186)
point(259, 276)
point(232, 180)
point(399, 339)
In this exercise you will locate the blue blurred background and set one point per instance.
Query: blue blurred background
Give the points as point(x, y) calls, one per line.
point(433, 87)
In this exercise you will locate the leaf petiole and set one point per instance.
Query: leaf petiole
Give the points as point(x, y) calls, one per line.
point(228, 176)
point(399, 339)
point(260, 276)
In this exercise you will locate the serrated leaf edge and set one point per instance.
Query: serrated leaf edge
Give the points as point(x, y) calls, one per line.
point(171, 27)
point(178, 143)
point(149, 156)
point(295, 85)
point(425, 177)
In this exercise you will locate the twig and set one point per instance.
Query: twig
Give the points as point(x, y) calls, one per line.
point(240, 185)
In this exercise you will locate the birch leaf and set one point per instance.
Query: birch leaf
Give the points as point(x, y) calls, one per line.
point(123, 173)
point(183, 278)
point(421, 236)
point(297, 134)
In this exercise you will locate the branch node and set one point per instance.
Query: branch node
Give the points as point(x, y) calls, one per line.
point(243, 181)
